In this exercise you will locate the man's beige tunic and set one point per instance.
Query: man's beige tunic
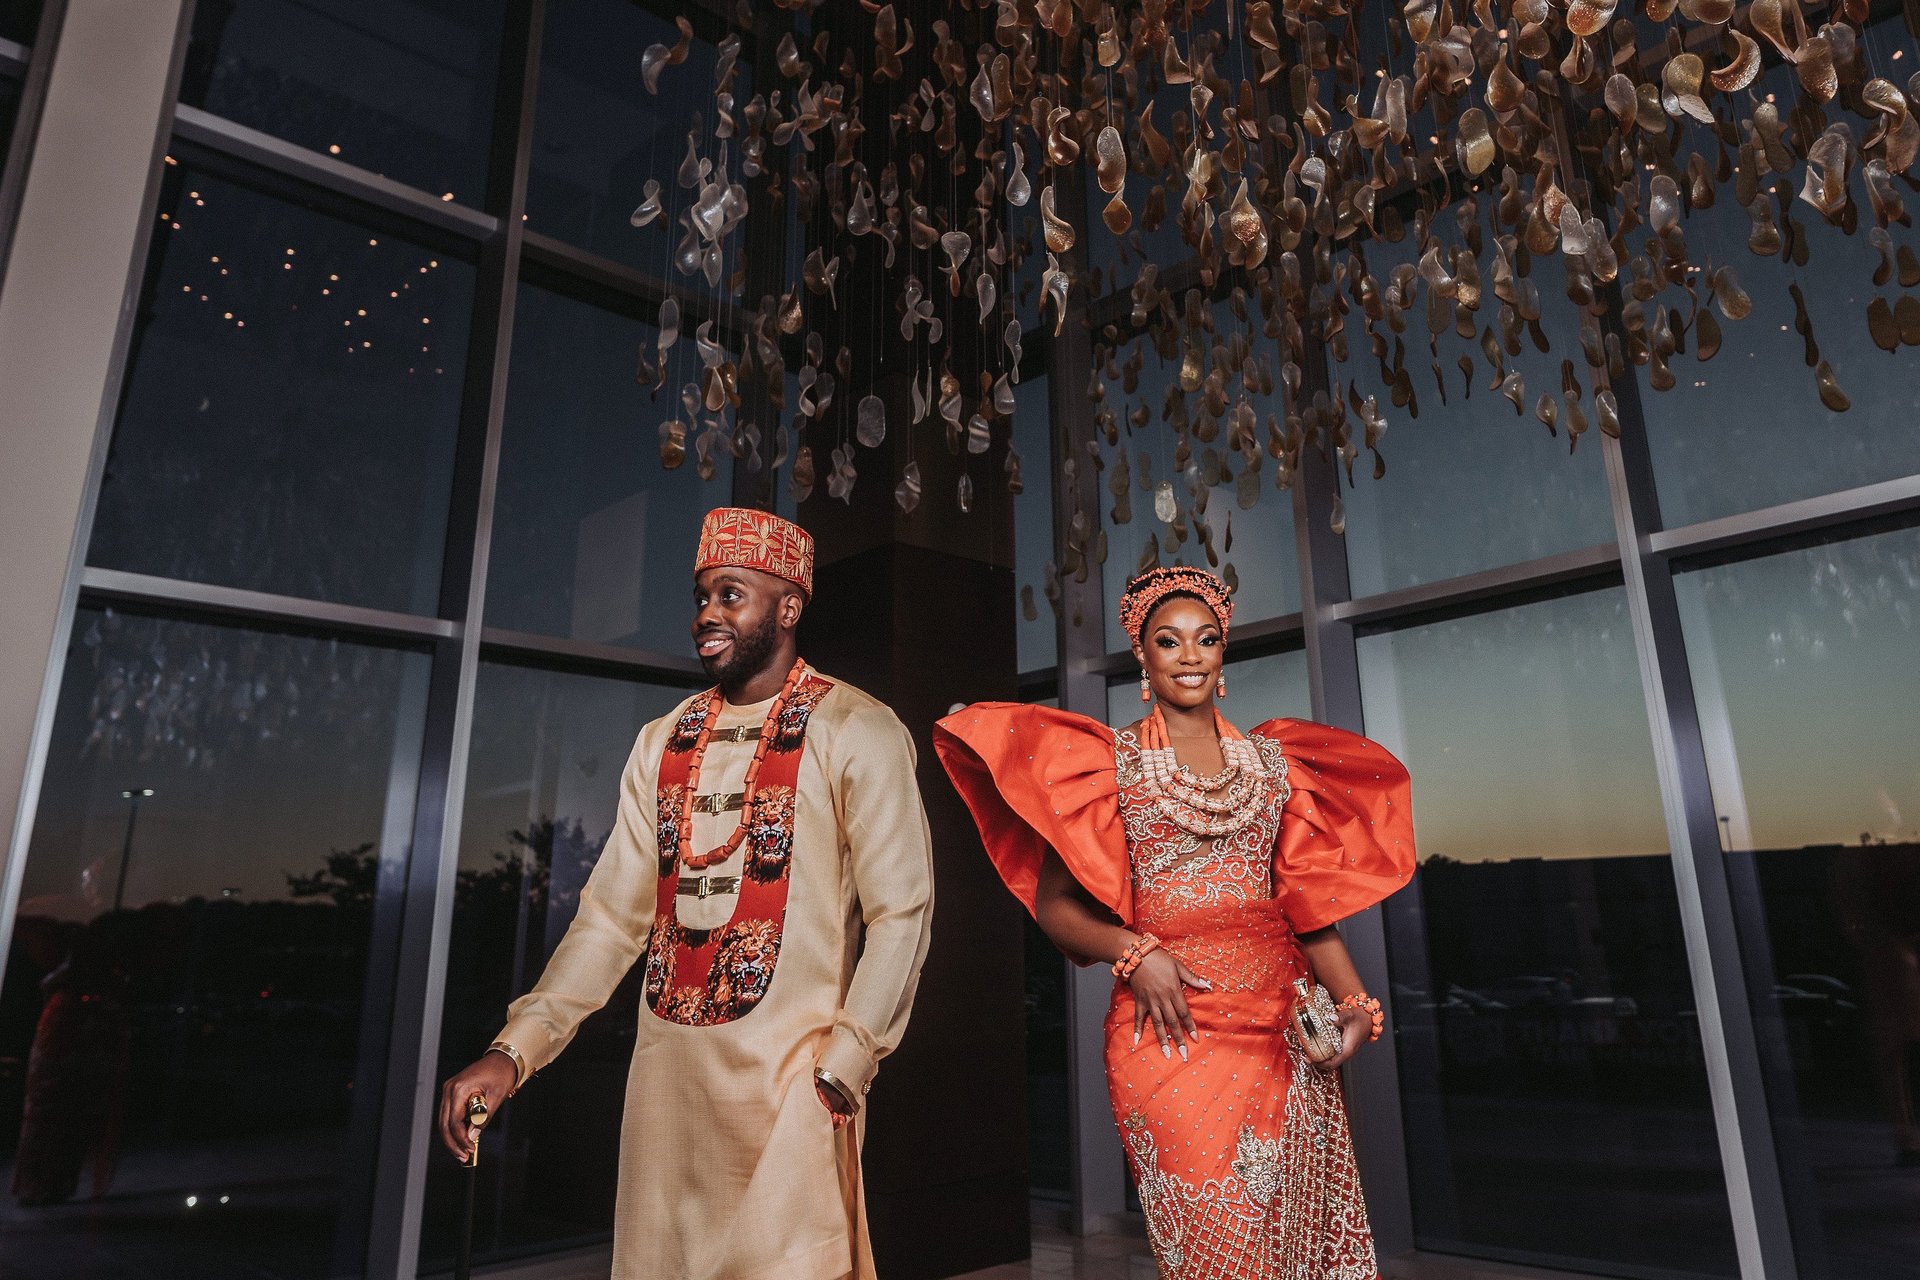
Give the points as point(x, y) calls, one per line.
point(730, 1168)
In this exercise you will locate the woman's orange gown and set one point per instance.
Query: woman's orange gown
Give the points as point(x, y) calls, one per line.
point(1242, 1154)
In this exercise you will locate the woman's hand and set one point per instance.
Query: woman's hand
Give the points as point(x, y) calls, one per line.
point(1355, 1026)
point(1159, 994)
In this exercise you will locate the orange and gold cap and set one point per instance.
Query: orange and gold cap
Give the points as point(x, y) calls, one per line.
point(744, 538)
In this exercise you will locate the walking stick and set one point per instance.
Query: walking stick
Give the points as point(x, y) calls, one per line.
point(470, 1175)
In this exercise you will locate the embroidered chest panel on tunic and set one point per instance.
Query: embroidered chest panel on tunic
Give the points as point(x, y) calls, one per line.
point(704, 977)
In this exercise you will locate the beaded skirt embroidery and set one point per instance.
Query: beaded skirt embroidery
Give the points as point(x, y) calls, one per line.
point(1242, 1154)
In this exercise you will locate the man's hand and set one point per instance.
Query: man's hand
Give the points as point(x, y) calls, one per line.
point(492, 1075)
point(838, 1107)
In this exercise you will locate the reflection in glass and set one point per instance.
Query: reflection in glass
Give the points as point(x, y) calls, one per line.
point(1256, 542)
point(20, 20)
point(1038, 630)
point(543, 785)
point(404, 88)
point(1747, 429)
point(194, 1021)
point(9, 111)
point(1472, 482)
point(1803, 665)
point(291, 404)
point(592, 540)
point(598, 135)
point(1552, 1080)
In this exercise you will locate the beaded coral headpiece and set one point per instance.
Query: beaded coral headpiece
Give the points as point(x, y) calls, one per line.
point(749, 539)
point(1145, 593)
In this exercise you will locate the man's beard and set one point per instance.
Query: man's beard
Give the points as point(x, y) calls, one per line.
point(747, 657)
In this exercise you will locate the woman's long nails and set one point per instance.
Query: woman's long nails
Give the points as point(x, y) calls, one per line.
point(1136, 1039)
point(1183, 1053)
point(1166, 1051)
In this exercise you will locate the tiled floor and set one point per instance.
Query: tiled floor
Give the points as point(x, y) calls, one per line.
point(1059, 1256)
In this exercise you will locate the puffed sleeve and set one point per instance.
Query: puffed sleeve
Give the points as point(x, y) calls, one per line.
point(1036, 778)
point(1346, 837)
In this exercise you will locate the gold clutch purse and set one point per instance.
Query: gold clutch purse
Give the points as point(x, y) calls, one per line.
point(1316, 1022)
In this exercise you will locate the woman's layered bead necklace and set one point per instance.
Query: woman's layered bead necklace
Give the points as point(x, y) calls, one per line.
point(1191, 803)
point(715, 705)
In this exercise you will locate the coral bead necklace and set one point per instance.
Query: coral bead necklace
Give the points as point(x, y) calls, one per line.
point(716, 701)
point(1187, 801)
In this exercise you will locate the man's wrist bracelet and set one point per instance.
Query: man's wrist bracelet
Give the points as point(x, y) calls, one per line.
point(835, 1083)
point(520, 1072)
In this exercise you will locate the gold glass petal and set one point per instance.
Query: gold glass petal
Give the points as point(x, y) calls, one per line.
point(1504, 88)
point(1589, 17)
point(1475, 144)
point(1881, 325)
point(1110, 160)
point(1059, 232)
point(1829, 387)
point(1813, 64)
point(1742, 68)
point(1766, 17)
point(1712, 12)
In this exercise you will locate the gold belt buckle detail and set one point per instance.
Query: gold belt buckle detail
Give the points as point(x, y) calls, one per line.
point(708, 886)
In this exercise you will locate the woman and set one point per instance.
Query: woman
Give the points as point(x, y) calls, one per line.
point(1207, 867)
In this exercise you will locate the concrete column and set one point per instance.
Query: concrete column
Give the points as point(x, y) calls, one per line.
point(71, 282)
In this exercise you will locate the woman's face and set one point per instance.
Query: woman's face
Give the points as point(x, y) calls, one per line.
point(1182, 650)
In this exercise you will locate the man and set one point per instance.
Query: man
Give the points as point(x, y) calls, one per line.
point(760, 825)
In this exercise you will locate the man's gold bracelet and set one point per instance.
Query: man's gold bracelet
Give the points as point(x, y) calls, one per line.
point(520, 1072)
point(838, 1085)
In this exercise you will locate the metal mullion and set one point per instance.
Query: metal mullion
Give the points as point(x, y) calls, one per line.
point(1850, 512)
point(35, 66)
point(224, 137)
point(176, 596)
point(529, 649)
point(1485, 589)
point(1757, 1200)
point(14, 855)
point(1098, 1164)
point(1729, 1034)
point(1333, 674)
point(617, 277)
point(407, 1140)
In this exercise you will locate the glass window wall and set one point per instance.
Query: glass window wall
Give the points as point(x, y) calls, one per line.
point(291, 403)
point(543, 783)
point(1551, 1073)
point(1473, 481)
point(591, 535)
point(1803, 667)
point(600, 136)
point(404, 88)
point(194, 1022)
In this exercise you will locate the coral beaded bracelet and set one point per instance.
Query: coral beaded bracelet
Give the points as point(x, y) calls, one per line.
point(1143, 946)
point(1372, 1007)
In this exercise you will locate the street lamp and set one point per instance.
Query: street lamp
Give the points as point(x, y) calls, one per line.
point(133, 797)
